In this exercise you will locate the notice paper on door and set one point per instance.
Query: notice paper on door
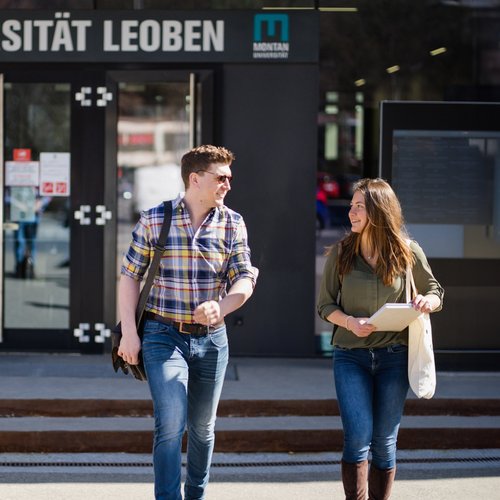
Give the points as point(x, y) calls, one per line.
point(55, 174)
point(21, 173)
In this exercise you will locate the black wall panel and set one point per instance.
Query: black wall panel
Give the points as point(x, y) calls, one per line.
point(269, 121)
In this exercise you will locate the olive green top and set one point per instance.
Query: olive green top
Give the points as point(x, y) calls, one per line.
point(362, 293)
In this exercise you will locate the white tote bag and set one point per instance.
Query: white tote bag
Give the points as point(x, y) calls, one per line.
point(421, 366)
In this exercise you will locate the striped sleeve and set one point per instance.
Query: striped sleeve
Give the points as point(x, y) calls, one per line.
point(240, 265)
point(136, 260)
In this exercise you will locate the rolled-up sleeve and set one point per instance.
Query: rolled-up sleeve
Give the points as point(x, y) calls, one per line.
point(425, 281)
point(136, 260)
point(330, 287)
point(240, 265)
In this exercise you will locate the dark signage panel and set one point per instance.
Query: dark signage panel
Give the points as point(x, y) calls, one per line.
point(445, 177)
point(158, 36)
point(443, 160)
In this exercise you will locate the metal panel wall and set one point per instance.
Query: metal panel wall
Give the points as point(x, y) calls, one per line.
point(269, 121)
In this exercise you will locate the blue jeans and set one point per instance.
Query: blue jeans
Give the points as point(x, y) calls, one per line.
point(371, 386)
point(185, 376)
point(24, 240)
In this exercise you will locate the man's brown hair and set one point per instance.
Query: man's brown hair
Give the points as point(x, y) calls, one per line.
point(201, 158)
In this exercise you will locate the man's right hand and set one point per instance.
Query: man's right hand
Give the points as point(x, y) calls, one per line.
point(130, 344)
point(129, 348)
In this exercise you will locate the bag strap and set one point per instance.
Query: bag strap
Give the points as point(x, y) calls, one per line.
point(410, 282)
point(339, 293)
point(155, 264)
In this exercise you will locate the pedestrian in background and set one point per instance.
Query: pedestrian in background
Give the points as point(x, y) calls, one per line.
point(363, 272)
point(205, 274)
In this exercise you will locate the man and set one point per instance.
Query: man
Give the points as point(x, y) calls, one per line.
point(204, 275)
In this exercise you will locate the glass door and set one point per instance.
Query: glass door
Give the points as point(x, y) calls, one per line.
point(83, 153)
point(153, 133)
point(53, 211)
point(36, 206)
point(159, 116)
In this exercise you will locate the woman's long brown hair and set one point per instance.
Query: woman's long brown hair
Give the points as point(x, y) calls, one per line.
point(385, 231)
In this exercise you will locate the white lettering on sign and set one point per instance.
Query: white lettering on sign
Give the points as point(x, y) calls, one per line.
point(62, 38)
point(13, 40)
point(192, 36)
point(54, 36)
point(171, 36)
point(271, 50)
point(128, 35)
point(150, 36)
point(109, 46)
point(213, 35)
point(28, 36)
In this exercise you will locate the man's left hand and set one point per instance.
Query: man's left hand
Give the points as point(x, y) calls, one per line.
point(208, 313)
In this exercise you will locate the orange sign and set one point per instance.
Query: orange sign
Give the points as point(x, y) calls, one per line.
point(21, 154)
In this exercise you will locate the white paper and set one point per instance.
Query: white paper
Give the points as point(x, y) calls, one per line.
point(55, 174)
point(21, 173)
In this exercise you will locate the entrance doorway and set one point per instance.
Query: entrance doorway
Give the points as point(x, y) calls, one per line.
point(83, 154)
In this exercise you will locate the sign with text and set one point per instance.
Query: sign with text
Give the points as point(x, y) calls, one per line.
point(54, 174)
point(158, 36)
point(21, 173)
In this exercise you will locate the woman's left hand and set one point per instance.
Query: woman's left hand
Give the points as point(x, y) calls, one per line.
point(422, 303)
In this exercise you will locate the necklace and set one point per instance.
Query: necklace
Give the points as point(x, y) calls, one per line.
point(369, 257)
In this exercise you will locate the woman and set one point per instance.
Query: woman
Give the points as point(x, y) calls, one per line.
point(363, 272)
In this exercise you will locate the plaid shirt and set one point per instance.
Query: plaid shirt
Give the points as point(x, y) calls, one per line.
point(194, 267)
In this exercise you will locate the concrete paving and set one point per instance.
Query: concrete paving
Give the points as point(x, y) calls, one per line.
point(458, 474)
point(434, 475)
point(73, 376)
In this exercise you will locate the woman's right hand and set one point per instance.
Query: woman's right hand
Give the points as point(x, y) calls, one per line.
point(360, 327)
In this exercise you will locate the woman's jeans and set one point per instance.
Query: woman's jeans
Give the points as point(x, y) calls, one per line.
point(185, 376)
point(371, 386)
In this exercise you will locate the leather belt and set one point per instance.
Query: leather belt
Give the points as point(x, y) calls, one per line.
point(196, 329)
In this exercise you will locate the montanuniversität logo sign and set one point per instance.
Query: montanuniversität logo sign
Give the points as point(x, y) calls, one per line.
point(271, 36)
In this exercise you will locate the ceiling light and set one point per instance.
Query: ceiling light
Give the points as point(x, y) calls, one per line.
point(287, 8)
point(338, 9)
point(360, 82)
point(393, 69)
point(436, 52)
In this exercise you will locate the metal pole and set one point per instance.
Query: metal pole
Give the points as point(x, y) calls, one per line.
point(192, 110)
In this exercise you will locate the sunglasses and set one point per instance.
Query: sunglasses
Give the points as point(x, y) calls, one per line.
point(221, 179)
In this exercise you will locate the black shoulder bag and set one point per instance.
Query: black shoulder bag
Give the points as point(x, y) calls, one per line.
point(138, 371)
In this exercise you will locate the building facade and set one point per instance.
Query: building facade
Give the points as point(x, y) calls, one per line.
point(101, 98)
